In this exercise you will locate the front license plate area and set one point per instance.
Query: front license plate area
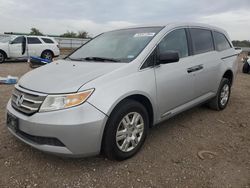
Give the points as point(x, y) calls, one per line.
point(12, 122)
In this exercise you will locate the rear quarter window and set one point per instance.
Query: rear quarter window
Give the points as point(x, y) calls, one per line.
point(202, 40)
point(48, 41)
point(221, 42)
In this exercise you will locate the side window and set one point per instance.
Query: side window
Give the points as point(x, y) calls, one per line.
point(33, 40)
point(17, 40)
point(175, 41)
point(202, 40)
point(48, 41)
point(221, 42)
point(150, 61)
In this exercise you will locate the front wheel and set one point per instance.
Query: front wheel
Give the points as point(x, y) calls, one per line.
point(126, 130)
point(2, 57)
point(220, 101)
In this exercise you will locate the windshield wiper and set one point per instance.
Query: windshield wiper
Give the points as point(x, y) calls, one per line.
point(101, 59)
point(76, 59)
point(94, 59)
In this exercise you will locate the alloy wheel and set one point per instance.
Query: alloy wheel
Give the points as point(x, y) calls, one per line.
point(224, 96)
point(129, 132)
point(48, 55)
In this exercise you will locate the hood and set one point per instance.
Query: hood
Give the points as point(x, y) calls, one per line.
point(3, 43)
point(65, 76)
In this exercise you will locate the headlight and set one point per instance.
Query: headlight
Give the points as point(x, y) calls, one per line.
point(57, 102)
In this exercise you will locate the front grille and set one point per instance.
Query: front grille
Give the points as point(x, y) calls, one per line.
point(41, 140)
point(26, 102)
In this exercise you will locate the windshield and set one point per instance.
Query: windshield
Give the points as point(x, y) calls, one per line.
point(116, 46)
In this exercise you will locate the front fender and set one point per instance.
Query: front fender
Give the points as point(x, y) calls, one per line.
point(107, 95)
point(5, 50)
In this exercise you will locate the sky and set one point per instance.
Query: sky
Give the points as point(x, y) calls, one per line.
point(96, 16)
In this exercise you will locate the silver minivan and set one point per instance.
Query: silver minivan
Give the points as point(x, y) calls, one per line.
point(104, 97)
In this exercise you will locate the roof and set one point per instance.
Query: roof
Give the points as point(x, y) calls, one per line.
point(179, 24)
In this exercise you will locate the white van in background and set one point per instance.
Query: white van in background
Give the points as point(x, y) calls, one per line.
point(38, 46)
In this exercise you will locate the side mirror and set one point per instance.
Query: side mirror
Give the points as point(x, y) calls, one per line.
point(169, 57)
point(23, 45)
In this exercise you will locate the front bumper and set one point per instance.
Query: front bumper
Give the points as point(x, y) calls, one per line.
point(79, 129)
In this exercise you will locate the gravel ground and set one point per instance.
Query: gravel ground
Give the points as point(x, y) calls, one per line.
point(168, 159)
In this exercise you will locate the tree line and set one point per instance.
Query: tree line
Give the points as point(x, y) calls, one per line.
point(243, 43)
point(68, 34)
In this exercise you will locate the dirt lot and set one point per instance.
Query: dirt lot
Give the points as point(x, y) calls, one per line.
point(168, 158)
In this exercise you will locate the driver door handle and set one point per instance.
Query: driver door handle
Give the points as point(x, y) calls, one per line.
point(195, 68)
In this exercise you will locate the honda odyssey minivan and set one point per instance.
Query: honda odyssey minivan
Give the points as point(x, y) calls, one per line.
point(104, 97)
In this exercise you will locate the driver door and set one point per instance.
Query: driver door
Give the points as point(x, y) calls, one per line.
point(15, 48)
point(174, 83)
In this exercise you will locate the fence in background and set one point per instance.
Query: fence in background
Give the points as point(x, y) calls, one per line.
point(69, 43)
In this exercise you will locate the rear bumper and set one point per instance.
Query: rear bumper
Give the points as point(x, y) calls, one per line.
point(56, 52)
point(79, 129)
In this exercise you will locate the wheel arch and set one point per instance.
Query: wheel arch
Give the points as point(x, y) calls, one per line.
point(142, 99)
point(145, 102)
point(229, 75)
point(5, 54)
point(49, 51)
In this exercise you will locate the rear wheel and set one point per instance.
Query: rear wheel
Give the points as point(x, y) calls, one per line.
point(47, 55)
point(246, 68)
point(2, 57)
point(220, 101)
point(126, 130)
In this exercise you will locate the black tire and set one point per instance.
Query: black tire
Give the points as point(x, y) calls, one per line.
point(246, 68)
point(47, 55)
point(2, 57)
point(109, 145)
point(216, 103)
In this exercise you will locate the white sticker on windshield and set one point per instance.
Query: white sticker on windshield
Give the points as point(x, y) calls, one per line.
point(144, 35)
point(131, 56)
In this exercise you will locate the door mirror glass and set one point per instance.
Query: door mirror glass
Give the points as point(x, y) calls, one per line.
point(23, 45)
point(168, 57)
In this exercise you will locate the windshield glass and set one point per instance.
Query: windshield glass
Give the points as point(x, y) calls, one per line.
point(119, 46)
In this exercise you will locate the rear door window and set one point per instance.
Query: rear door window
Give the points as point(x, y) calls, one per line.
point(33, 40)
point(221, 42)
point(202, 40)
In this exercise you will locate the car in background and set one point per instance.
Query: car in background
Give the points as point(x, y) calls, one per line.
point(38, 46)
point(246, 66)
